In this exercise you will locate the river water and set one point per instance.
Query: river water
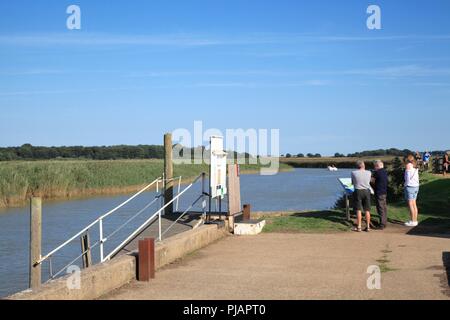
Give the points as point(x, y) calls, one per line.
point(300, 190)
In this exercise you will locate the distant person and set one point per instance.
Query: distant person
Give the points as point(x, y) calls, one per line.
point(446, 163)
point(380, 181)
point(426, 160)
point(361, 179)
point(418, 158)
point(412, 185)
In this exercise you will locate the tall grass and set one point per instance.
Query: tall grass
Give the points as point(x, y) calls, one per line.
point(65, 179)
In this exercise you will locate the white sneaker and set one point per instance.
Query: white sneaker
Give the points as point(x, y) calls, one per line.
point(415, 224)
point(409, 224)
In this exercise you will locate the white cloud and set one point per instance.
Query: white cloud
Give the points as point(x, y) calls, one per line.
point(192, 40)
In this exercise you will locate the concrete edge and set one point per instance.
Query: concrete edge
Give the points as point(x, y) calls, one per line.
point(104, 278)
point(271, 214)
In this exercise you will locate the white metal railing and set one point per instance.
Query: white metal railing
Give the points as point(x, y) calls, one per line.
point(102, 240)
point(158, 214)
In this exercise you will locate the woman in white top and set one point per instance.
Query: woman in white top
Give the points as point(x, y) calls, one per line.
point(412, 185)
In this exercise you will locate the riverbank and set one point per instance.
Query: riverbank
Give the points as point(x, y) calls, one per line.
point(434, 213)
point(59, 180)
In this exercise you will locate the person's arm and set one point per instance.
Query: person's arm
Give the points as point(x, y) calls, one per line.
point(374, 178)
point(408, 173)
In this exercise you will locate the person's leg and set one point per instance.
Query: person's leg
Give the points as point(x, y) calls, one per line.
point(358, 208)
point(359, 218)
point(412, 209)
point(379, 209)
point(366, 206)
point(368, 219)
point(416, 211)
point(383, 205)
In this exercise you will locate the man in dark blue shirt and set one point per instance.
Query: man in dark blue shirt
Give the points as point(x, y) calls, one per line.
point(380, 181)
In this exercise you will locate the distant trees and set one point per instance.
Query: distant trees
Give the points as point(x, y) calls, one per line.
point(381, 152)
point(29, 152)
point(317, 155)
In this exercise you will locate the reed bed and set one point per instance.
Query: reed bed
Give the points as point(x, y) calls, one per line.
point(56, 179)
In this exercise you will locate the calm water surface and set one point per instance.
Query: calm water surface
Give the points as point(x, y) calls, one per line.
point(302, 189)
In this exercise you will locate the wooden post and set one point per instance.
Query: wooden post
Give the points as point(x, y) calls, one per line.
point(168, 172)
point(347, 207)
point(247, 212)
point(146, 269)
point(35, 241)
point(86, 250)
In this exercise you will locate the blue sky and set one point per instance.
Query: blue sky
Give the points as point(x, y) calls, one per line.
point(309, 68)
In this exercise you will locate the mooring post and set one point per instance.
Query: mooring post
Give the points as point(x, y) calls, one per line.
point(35, 241)
point(86, 250)
point(168, 172)
point(247, 212)
point(347, 207)
point(146, 259)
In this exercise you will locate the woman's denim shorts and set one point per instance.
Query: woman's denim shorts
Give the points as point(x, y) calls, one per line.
point(411, 193)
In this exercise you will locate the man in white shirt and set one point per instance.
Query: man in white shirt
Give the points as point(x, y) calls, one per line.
point(361, 181)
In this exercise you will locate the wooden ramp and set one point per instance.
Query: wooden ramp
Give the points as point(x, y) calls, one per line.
point(186, 223)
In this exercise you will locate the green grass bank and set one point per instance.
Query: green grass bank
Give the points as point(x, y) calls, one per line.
point(433, 202)
point(78, 178)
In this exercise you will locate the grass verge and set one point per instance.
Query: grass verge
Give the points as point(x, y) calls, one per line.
point(434, 215)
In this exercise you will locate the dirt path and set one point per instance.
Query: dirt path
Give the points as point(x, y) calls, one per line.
point(305, 266)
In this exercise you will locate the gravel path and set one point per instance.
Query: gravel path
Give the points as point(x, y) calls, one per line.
point(305, 266)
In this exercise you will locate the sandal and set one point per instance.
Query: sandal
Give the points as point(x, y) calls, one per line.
point(357, 229)
point(367, 229)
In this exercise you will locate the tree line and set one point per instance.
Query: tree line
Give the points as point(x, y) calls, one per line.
point(370, 153)
point(29, 152)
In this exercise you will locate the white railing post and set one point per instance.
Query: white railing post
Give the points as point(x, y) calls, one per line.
point(203, 194)
point(179, 189)
point(100, 224)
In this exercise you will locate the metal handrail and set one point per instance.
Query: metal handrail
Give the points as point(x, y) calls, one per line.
point(99, 221)
point(149, 220)
point(182, 215)
point(100, 242)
